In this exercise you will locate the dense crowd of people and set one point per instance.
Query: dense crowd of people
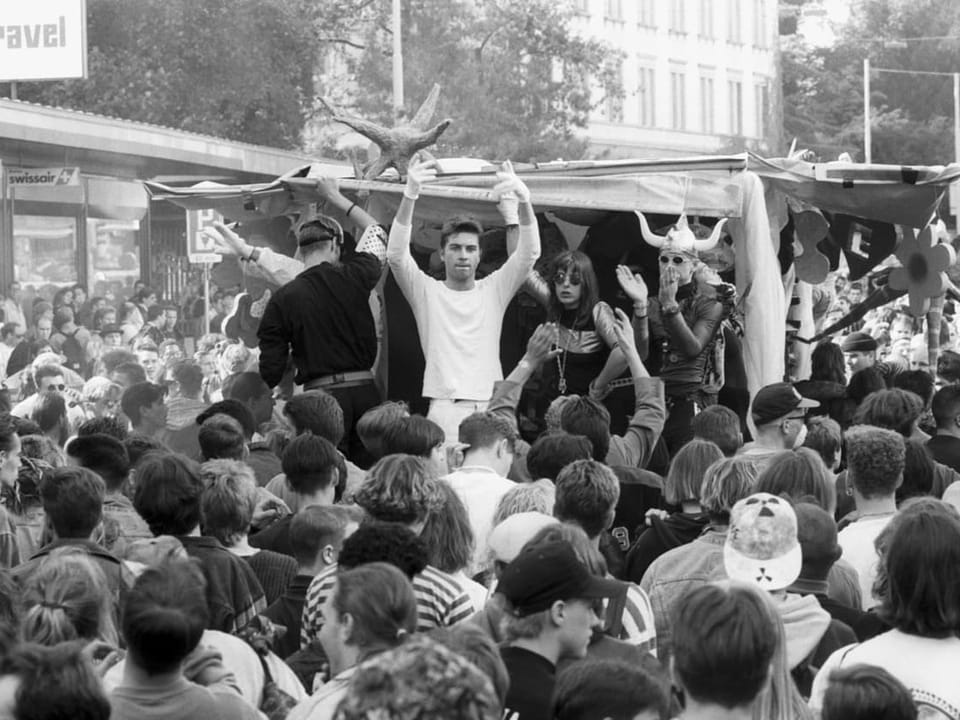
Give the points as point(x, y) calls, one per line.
point(183, 537)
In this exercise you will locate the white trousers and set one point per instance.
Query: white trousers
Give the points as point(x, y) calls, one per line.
point(448, 414)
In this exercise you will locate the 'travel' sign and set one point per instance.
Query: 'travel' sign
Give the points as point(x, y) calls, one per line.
point(43, 40)
point(43, 177)
point(199, 248)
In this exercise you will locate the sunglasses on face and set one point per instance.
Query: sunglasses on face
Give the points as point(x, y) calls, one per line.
point(50, 388)
point(677, 259)
point(562, 277)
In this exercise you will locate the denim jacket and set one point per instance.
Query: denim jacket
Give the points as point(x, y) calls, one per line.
point(677, 572)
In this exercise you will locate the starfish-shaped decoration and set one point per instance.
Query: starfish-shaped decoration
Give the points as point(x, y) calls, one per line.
point(924, 263)
point(399, 144)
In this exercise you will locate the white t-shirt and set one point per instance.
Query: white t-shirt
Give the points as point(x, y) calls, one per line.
point(856, 539)
point(927, 666)
point(480, 489)
point(460, 330)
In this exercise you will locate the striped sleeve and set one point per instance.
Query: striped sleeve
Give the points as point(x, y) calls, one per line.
point(440, 600)
point(312, 619)
point(639, 627)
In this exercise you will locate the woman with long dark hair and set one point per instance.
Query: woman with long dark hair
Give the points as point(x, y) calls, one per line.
point(585, 337)
point(828, 383)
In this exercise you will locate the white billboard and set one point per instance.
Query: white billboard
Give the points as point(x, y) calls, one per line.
point(44, 40)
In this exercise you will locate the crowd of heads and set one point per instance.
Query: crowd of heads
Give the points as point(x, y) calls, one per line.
point(154, 503)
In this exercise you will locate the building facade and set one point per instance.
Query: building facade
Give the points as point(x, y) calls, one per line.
point(73, 208)
point(698, 77)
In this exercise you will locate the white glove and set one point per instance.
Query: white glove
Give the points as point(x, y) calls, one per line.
point(510, 183)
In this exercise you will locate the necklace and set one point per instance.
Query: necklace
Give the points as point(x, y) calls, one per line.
point(562, 361)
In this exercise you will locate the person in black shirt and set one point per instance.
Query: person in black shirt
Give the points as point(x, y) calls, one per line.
point(549, 596)
point(316, 535)
point(945, 445)
point(323, 315)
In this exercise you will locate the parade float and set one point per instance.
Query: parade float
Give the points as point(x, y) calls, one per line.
point(789, 222)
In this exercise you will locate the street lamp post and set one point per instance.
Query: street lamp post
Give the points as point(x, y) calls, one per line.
point(867, 137)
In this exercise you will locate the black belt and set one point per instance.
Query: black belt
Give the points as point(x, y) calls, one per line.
point(347, 379)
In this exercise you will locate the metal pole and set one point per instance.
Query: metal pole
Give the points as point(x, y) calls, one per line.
point(867, 138)
point(13, 91)
point(397, 62)
point(956, 116)
point(206, 299)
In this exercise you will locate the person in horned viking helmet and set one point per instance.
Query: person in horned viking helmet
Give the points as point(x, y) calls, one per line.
point(683, 320)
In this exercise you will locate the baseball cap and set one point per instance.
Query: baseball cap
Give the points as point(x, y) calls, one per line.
point(319, 228)
point(762, 547)
point(773, 402)
point(542, 574)
point(858, 342)
point(110, 330)
point(507, 539)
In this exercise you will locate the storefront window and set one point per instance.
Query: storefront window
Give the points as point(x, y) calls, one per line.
point(45, 251)
point(114, 257)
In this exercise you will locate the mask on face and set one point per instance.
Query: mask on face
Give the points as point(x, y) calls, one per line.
point(801, 436)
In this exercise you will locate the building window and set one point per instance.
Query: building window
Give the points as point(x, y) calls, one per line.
point(581, 7)
point(645, 14)
point(645, 95)
point(44, 250)
point(113, 264)
point(677, 19)
point(762, 106)
point(614, 97)
point(678, 99)
point(735, 91)
point(733, 23)
point(760, 23)
point(613, 10)
point(706, 19)
point(707, 105)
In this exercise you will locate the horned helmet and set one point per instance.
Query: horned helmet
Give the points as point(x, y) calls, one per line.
point(680, 247)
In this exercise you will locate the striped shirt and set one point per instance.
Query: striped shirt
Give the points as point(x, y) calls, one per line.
point(639, 626)
point(440, 601)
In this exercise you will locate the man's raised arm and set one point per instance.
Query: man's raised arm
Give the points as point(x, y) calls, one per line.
point(402, 264)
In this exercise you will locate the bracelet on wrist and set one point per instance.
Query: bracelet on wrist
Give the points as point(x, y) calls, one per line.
point(408, 196)
point(670, 309)
point(525, 364)
point(640, 309)
point(350, 209)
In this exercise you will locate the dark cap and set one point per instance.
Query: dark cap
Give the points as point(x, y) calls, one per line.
point(319, 228)
point(110, 330)
point(461, 223)
point(858, 342)
point(543, 574)
point(776, 401)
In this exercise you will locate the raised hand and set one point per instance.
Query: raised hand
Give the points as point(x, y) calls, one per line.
point(419, 172)
point(510, 183)
point(226, 241)
point(542, 345)
point(669, 283)
point(329, 188)
point(632, 284)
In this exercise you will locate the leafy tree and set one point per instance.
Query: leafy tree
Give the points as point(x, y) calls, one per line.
point(911, 114)
point(517, 79)
point(240, 69)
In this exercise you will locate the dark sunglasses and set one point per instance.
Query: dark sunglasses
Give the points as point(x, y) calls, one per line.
point(677, 260)
point(561, 277)
point(61, 387)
